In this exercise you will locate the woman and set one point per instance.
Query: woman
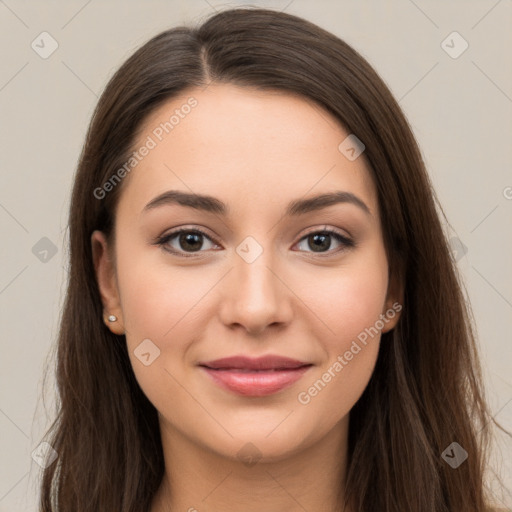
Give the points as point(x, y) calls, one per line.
point(262, 312)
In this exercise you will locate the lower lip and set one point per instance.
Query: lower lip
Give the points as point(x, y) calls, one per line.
point(260, 383)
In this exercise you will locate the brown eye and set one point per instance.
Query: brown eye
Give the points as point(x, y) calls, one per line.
point(321, 241)
point(190, 240)
point(185, 241)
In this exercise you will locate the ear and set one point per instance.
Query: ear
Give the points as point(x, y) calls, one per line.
point(394, 302)
point(107, 282)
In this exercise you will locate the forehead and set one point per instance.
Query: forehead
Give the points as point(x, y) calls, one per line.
point(253, 149)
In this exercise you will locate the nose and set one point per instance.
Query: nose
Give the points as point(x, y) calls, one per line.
point(255, 297)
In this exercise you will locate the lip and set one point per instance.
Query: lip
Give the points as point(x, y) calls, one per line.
point(255, 377)
point(268, 362)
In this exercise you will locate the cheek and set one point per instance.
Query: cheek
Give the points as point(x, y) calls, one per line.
point(157, 300)
point(165, 305)
point(349, 301)
point(334, 390)
point(346, 300)
point(159, 305)
point(350, 351)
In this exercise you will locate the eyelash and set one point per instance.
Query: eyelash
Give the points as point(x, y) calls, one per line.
point(163, 240)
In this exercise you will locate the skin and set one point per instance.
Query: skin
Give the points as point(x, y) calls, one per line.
point(256, 151)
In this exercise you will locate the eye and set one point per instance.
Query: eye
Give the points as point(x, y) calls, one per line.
point(188, 240)
point(320, 240)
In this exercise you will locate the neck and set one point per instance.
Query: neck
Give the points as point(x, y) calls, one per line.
point(200, 480)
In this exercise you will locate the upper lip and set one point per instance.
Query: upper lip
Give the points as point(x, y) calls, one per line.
point(269, 362)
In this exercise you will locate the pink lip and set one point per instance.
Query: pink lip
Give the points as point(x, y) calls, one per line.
point(255, 377)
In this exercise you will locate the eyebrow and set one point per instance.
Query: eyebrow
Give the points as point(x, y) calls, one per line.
point(295, 208)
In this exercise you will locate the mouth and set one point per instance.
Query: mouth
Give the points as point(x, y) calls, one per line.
point(255, 377)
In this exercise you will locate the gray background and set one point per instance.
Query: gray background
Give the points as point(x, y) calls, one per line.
point(460, 110)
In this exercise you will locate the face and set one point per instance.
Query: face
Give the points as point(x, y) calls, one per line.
point(258, 268)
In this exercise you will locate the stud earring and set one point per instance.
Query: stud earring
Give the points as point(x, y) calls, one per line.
point(112, 318)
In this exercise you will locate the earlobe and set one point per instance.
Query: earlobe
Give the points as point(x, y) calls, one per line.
point(394, 303)
point(107, 283)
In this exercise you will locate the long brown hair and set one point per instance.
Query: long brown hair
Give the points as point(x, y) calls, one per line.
point(426, 391)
